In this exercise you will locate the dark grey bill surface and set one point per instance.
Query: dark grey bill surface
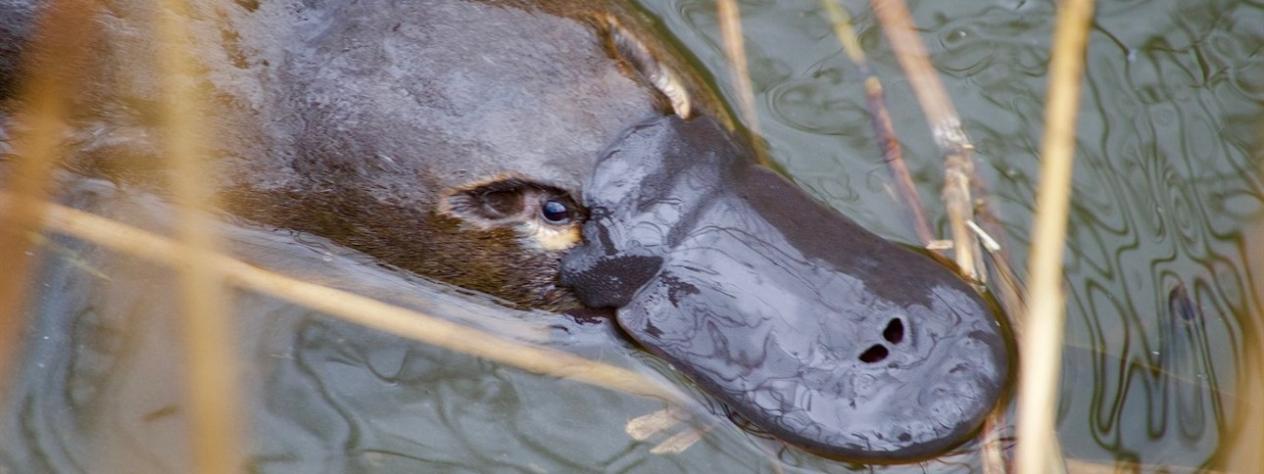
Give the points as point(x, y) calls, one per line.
point(816, 330)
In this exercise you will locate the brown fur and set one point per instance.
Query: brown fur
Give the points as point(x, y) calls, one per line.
point(358, 121)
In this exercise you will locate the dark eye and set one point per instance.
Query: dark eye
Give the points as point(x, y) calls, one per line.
point(555, 212)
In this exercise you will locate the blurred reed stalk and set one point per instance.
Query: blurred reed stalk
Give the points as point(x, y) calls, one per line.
point(991, 454)
point(945, 128)
point(1240, 450)
point(1042, 341)
point(1087, 467)
point(361, 310)
point(730, 20)
point(60, 41)
point(875, 99)
point(211, 387)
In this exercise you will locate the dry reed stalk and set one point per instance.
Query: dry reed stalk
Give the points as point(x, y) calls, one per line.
point(730, 20)
point(361, 310)
point(945, 128)
point(59, 44)
point(211, 388)
point(1240, 451)
point(992, 454)
point(1010, 290)
point(681, 441)
point(875, 99)
point(1042, 341)
point(959, 180)
point(646, 426)
point(1077, 466)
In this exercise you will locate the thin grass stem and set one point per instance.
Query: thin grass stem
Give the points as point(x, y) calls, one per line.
point(60, 41)
point(1042, 340)
point(211, 386)
point(875, 99)
point(945, 125)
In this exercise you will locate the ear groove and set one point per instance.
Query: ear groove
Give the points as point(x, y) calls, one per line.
point(622, 45)
point(487, 204)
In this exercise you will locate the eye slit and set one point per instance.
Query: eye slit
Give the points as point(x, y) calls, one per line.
point(554, 211)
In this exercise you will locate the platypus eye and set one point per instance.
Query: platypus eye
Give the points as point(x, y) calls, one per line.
point(555, 211)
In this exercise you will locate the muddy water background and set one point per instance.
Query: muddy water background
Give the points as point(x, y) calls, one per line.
point(1167, 192)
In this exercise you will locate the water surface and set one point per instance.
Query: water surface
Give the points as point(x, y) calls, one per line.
point(1167, 188)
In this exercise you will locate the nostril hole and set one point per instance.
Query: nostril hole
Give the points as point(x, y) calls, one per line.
point(894, 333)
point(874, 353)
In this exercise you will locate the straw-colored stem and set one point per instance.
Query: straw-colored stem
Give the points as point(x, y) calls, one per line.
point(894, 158)
point(991, 453)
point(960, 209)
point(63, 33)
point(681, 441)
point(1009, 289)
point(643, 427)
point(897, 25)
point(1011, 293)
point(1078, 466)
point(361, 310)
point(1241, 449)
point(875, 99)
point(1042, 341)
point(945, 127)
point(211, 387)
point(730, 19)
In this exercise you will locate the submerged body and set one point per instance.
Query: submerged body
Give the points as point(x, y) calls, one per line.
point(815, 329)
point(457, 139)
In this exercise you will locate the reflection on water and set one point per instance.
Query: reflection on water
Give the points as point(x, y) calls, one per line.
point(1160, 296)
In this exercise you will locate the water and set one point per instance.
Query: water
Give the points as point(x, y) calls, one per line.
point(1167, 191)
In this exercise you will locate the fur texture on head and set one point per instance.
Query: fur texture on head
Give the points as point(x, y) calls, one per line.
point(430, 134)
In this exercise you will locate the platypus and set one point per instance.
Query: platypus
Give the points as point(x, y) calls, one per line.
point(470, 140)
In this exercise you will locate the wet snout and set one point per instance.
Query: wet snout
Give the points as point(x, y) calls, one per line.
point(814, 329)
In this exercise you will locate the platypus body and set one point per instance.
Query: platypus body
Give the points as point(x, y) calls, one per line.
point(469, 142)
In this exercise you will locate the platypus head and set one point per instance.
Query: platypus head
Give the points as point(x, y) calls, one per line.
point(452, 138)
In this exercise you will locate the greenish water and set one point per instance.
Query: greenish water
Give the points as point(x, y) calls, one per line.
point(1167, 191)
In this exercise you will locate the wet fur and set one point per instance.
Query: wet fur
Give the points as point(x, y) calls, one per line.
point(357, 120)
